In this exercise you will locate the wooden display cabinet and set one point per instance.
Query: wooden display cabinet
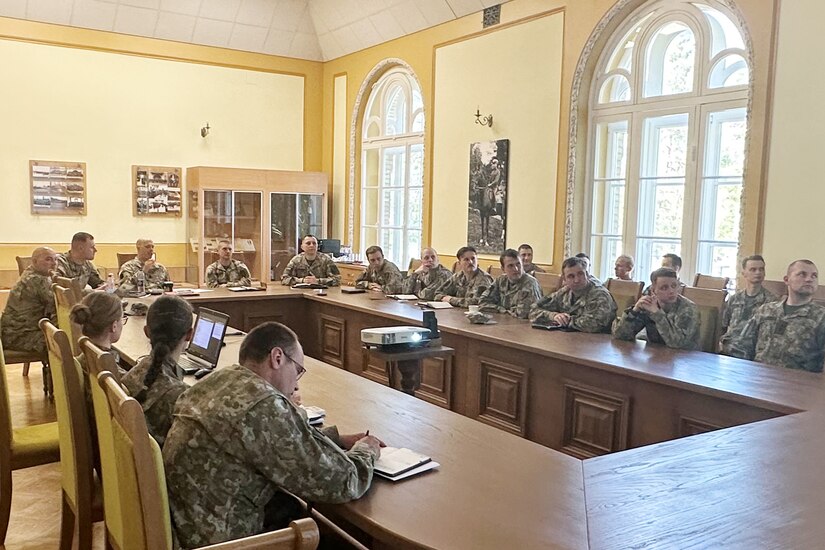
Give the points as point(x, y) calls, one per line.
point(262, 212)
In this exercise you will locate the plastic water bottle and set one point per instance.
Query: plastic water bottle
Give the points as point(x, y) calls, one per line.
point(110, 283)
point(141, 282)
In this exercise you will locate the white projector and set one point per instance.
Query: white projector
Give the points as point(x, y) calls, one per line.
point(395, 336)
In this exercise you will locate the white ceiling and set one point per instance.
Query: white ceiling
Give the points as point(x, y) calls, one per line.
point(319, 30)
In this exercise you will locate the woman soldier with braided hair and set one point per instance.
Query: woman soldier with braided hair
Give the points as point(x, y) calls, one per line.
point(154, 382)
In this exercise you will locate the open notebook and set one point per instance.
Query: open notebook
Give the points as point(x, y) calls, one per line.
point(399, 463)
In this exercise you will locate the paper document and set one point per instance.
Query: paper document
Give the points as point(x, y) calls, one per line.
point(402, 296)
point(426, 467)
point(394, 461)
point(436, 305)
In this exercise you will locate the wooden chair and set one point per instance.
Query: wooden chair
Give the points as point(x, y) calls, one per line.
point(15, 357)
point(73, 284)
point(64, 299)
point(20, 448)
point(625, 293)
point(123, 257)
point(81, 502)
point(22, 263)
point(456, 266)
point(711, 304)
point(706, 281)
point(495, 271)
point(415, 263)
point(144, 506)
point(777, 288)
point(549, 282)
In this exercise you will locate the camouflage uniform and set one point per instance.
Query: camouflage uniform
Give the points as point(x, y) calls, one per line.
point(158, 401)
point(387, 276)
point(322, 267)
point(464, 292)
point(30, 300)
point(592, 310)
point(235, 441)
point(513, 298)
point(532, 269)
point(795, 339)
point(86, 271)
point(235, 274)
point(676, 327)
point(128, 276)
point(739, 309)
point(424, 285)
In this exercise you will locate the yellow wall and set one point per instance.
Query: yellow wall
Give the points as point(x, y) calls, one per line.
point(794, 220)
point(492, 72)
point(339, 156)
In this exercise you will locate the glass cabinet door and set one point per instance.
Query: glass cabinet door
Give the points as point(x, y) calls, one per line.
point(234, 216)
point(310, 215)
point(283, 233)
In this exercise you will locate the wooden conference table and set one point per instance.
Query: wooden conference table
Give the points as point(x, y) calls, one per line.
point(756, 484)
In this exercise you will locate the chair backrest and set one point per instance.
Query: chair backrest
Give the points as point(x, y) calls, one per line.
point(706, 281)
point(73, 284)
point(711, 304)
point(6, 432)
point(22, 263)
point(301, 534)
point(456, 266)
point(123, 257)
point(64, 299)
point(144, 502)
point(415, 263)
point(495, 271)
point(625, 293)
point(76, 455)
point(117, 532)
point(549, 282)
point(777, 288)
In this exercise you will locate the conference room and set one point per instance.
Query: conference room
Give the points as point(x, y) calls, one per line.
point(631, 127)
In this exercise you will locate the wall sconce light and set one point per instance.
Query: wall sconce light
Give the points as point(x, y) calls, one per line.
point(205, 130)
point(484, 120)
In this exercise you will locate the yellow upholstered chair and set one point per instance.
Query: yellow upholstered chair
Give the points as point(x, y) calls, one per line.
point(625, 293)
point(706, 281)
point(711, 305)
point(20, 448)
point(123, 257)
point(144, 504)
point(64, 299)
point(22, 263)
point(549, 282)
point(81, 502)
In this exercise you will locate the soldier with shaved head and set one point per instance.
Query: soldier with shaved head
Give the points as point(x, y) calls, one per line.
point(430, 275)
point(154, 274)
point(30, 300)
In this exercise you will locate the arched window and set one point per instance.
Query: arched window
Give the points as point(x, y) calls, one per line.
point(392, 167)
point(667, 140)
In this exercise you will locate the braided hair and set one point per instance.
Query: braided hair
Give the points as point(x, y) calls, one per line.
point(168, 320)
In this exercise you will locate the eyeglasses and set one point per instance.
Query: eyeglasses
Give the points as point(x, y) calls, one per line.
point(298, 366)
point(124, 319)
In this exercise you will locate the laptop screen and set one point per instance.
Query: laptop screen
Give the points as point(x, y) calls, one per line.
point(210, 328)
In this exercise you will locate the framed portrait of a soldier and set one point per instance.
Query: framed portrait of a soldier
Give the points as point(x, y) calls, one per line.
point(487, 215)
point(156, 191)
point(58, 188)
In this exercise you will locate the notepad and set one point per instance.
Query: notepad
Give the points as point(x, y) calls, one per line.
point(395, 462)
point(402, 296)
point(315, 415)
point(352, 290)
point(244, 288)
point(309, 285)
point(436, 305)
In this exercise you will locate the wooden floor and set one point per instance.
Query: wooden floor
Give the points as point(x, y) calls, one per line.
point(35, 510)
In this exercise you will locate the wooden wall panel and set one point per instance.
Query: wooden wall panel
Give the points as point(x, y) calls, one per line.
point(693, 426)
point(374, 369)
point(333, 335)
point(436, 381)
point(595, 421)
point(503, 396)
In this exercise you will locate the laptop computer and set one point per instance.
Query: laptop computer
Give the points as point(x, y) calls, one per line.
point(207, 340)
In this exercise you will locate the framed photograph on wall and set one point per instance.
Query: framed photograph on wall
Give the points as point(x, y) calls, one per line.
point(487, 215)
point(58, 188)
point(156, 191)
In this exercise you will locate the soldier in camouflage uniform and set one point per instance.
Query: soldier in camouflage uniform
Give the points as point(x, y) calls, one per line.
point(525, 252)
point(465, 287)
point(237, 440)
point(788, 333)
point(30, 300)
point(155, 382)
point(155, 274)
point(227, 272)
point(381, 274)
point(311, 267)
point(514, 292)
point(623, 268)
point(744, 303)
point(424, 281)
point(580, 304)
point(76, 263)
point(668, 317)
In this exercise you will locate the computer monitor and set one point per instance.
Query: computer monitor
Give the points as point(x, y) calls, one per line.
point(330, 246)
